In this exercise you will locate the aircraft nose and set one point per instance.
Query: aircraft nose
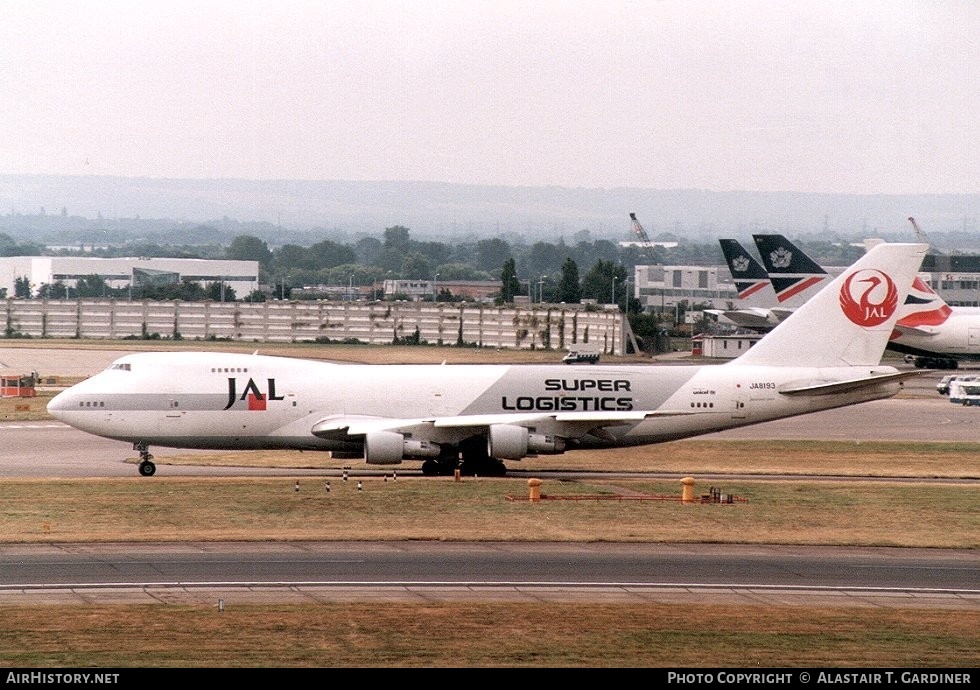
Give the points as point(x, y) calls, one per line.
point(59, 404)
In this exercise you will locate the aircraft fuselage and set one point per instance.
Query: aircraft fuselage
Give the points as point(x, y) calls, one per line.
point(236, 401)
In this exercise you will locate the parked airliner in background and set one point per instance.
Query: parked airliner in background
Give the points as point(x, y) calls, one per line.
point(473, 417)
point(932, 334)
point(757, 308)
point(795, 277)
point(769, 291)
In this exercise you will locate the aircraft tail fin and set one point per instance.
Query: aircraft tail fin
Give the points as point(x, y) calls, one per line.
point(923, 307)
point(794, 275)
point(749, 275)
point(849, 322)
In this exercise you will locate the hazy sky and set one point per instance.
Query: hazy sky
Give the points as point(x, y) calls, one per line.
point(879, 96)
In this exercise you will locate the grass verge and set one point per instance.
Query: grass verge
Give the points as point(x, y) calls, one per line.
point(485, 635)
point(859, 513)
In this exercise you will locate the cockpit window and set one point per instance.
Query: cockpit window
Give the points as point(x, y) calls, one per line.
point(121, 366)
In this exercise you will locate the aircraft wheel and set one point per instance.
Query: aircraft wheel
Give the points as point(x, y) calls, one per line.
point(147, 468)
point(484, 467)
point(496, 468)
point(431, 468)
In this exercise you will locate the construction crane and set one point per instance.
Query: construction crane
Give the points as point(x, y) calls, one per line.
point(918, 231)
point(644, 238)
point(922, 236)
point(648, 249)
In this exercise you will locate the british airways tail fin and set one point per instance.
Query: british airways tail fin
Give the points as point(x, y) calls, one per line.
point(849, 322)
point(748, 274)
point(923, 307)
point(795, 276)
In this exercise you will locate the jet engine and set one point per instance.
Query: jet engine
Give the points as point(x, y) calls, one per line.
point(390, 448)
point(510, 442)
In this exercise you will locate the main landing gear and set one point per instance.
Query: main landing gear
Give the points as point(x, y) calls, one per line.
point(482, 467)
point(146, 467)
point(472, 460)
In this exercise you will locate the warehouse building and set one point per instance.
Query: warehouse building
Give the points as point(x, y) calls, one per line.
point(127, 272)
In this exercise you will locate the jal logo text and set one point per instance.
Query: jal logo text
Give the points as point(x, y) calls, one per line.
point(252, 393)
point(868, 297)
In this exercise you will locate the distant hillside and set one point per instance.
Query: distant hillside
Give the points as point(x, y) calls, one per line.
point(435, 209)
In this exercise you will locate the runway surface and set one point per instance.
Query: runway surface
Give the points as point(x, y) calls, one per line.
point(308, 572)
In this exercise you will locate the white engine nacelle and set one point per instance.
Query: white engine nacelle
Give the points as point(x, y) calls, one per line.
point(390, 448)
point(509, 442)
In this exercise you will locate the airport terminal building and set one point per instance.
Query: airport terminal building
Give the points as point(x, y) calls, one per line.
point(126, 272)
point(955, 277)
point(661, 288)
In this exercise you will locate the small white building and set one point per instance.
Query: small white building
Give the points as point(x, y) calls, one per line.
point(723, 346)
point(125, 272)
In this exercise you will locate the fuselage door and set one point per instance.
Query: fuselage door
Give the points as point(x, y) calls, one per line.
point(739, 398)
point(173, 413)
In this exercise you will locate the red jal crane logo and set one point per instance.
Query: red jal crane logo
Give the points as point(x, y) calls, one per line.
point(868, 297)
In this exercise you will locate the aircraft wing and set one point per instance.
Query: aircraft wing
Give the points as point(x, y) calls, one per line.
point(833, 387)
point(570, 424)
point(343, 426)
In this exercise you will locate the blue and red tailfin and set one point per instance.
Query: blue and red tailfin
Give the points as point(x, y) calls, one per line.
point(748, 274)
point(794, 275)
point(923, 307)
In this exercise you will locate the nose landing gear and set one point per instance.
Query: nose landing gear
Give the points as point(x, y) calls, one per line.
point(146, 466)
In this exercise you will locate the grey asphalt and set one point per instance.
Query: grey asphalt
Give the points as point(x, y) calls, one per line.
point(309, 572)
point(58, 361)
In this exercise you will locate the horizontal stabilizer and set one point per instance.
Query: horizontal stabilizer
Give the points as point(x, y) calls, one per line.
point(835, 387)
point(753, 318)
point(928, 331)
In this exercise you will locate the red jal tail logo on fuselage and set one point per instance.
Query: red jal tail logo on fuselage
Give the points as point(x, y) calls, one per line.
point(868, 297)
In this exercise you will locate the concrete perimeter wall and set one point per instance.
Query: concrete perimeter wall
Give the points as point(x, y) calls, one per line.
point(544, 326)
